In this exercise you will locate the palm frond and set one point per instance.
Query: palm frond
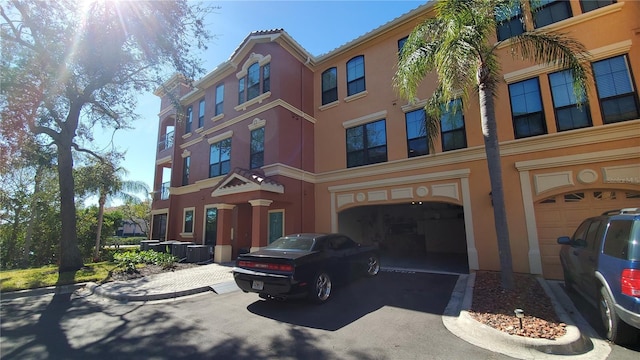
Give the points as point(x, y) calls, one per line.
point(558, 50)
point(416, 58)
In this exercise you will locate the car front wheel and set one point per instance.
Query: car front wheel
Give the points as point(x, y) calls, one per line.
point(321, 290)
point(616, 330)
point(373, 265)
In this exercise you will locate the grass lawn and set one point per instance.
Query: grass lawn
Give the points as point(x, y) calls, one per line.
point(21, 279)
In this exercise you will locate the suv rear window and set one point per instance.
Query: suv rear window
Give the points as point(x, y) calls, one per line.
point(618, 238)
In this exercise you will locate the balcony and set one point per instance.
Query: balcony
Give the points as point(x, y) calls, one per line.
point(163, 193)
point(166, 141)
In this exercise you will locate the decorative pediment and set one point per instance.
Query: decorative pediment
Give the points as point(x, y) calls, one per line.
point(242, 181)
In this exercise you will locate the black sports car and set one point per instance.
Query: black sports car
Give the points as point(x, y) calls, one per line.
point(304, 265)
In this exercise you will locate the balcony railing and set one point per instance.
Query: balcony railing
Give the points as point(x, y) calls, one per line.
point(164, 191)
point(166, 141)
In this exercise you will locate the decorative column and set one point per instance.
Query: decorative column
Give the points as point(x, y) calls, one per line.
point(223, 249)
point(259, 223)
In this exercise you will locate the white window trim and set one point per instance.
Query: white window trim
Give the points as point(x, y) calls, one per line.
point(380, 115)
point(262, 60)
point(184, 217)
point(257, 123)
point(218, 138)
point(357, 96)
point(256, 100)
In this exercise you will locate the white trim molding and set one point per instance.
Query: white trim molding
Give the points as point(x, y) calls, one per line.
point(365, 119)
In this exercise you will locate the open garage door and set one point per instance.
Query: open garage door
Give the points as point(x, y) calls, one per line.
point(560, 215)
point(418, 235)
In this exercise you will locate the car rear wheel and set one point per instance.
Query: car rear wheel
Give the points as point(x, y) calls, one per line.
point(373, 265)
point(321, 288)
point(616, 330)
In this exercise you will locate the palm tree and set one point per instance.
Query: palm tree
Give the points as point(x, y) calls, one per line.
point(105, 179)
point(458, 45)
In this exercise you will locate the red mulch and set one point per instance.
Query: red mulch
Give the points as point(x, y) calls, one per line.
point(495, 307)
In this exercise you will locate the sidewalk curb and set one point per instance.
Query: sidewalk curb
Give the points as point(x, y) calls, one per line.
point(457, 320)
point(96, 289)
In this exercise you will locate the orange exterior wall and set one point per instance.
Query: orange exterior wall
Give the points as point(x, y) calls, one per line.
point(621, 24)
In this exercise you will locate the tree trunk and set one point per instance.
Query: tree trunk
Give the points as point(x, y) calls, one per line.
point(492, 149)
point(101, 201)
point(70, 256)
point(35, 217)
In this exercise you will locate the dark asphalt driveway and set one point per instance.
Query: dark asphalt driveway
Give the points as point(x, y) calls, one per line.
point(421, 292)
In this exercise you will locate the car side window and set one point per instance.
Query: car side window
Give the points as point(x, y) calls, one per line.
point(341, 243)
point(594, 234)
point(616, 242)
point(347, 243)
point(579, 237)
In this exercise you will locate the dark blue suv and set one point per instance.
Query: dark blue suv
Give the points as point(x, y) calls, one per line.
point(602, 263)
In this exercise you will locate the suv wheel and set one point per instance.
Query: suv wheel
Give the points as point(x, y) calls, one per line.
point(616, 330)
point(568, 282)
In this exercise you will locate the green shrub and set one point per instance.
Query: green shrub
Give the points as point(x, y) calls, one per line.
point(128, 260)
point(157, 258)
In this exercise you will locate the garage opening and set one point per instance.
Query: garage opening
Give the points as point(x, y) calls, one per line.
point(416, 235)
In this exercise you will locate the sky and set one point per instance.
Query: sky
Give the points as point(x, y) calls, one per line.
point(318, 26)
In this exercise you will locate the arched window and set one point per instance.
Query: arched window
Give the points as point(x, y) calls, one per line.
point(355, 75)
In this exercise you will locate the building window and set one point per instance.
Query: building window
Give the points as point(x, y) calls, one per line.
point(257, 148)
point(266, 78)
point(550, 11)
point(510, 22)
point(253, 81)
point(401, 44)
point(249, 85)
point(452, 127)
point(220, 158)
point(329, 86)
point(187, 125)
point(187, 226)
point(417, 142)
point(526, 108)
point(355, 75)
point(201, 114)
point(618, 99)
point(186, 164)
point(367, 144)
point(241, 91)
point(568, 115)
point(588, 5)
point(219, 99)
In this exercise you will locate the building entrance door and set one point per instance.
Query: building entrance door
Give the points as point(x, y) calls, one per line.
point(211, 227)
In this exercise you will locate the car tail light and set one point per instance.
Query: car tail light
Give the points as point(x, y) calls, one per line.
point(265, 266)
point(630, 282)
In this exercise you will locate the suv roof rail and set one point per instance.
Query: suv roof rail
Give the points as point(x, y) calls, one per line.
point(622, 211)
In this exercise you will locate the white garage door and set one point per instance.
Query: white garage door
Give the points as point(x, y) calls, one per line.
point(560, 215)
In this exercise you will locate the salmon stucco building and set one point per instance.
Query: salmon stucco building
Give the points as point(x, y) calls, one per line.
point(277, 141)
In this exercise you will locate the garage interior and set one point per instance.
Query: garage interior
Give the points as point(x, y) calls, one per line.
point(424, 236)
